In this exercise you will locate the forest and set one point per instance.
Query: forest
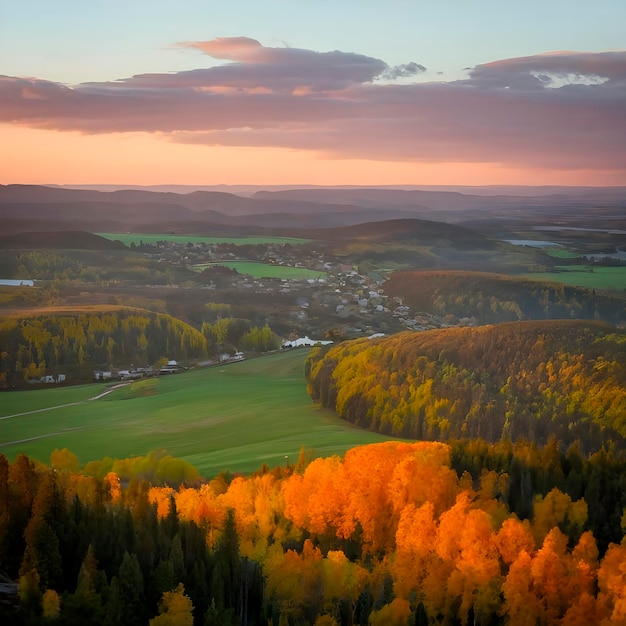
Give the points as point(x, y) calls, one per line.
point(492, 298)
point(504, 382)
point(393, 533)
point(77, 341)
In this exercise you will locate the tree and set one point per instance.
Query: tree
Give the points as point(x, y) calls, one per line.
point(114, 610)
point(131, 588)
point(30, 595)
point(84, 606)
point(51, 605)
point(42, 554)
point(176, 609)
point(612, 585)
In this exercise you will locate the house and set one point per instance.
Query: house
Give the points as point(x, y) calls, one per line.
point(304, 341)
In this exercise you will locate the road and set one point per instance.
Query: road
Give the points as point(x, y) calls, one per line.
point(60, 406)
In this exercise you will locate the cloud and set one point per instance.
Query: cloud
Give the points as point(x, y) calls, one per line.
point(242, 49)
point(557, 110)
point(403, 71)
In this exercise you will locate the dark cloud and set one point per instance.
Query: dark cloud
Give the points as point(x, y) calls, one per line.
point(558, 110)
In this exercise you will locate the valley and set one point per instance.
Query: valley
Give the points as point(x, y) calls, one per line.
point(467, 390)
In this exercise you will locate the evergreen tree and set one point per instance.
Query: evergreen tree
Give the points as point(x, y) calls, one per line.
point(131, 590)
point(114, 610)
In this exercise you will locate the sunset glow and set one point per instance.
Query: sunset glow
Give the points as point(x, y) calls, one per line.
point(247, 111)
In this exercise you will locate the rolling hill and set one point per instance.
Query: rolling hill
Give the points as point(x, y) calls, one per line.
point(61, 240)
point(509, 381)
point(30, 207)
point(416, 243)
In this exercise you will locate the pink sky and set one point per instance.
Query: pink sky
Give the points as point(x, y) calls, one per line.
point(279, 115)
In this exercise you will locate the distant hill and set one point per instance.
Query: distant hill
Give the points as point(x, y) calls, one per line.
point(462, 199)
point(492, 298)
point(401, 230)
point(424, 244)
point(33, 207)
point(511, 381)
point(64, 240)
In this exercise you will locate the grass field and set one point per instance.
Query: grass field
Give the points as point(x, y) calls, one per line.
point(234, 417)
point(149, 238)
point(605, 278)
point(263, 270)
point(560, 253)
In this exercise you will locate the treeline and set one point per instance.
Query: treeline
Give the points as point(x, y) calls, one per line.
point(94, 264)
point(505, 382)
point(33, 346)
point(38, 264)
point(492, 298)
point(394, 533)
point(230, 333)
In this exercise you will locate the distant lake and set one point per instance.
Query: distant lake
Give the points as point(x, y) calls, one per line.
point(533, 243)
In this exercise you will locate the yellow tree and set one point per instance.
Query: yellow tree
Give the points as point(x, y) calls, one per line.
point(176, 609)
point(612, 586)
point(415, 548)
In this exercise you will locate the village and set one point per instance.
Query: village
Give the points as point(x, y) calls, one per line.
point(350, 302)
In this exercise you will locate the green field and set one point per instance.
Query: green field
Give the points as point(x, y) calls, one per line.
point(234, 417)
point(263, 270)
point(150, 238)
point(560, 253)
point(605, 278)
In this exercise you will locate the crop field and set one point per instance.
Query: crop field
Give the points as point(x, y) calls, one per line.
point(605, 278)
point(151, 238)
point(264, 270)
point(233, 417)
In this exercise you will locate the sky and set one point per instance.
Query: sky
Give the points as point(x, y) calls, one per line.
point(348, 92)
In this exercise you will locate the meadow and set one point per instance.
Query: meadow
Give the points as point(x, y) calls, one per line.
point(561, 253)
point(264, 270)
point(152, 238)
point(597, 277)
point(233, 417)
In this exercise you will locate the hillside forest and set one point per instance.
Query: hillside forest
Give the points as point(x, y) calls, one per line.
point(394, 533)
point(77, 341)
point(535, 380)
point(493, 298)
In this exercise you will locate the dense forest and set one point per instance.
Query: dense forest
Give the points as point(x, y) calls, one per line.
point(76, 341)
point(394, 533)
point(492, 298)
point(502, 382)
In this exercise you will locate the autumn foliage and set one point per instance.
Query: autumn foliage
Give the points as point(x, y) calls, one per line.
point(390, 533)
point(505, 382)
point(79, 340)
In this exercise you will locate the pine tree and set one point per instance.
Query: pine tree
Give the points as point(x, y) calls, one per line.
point(131, 586)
